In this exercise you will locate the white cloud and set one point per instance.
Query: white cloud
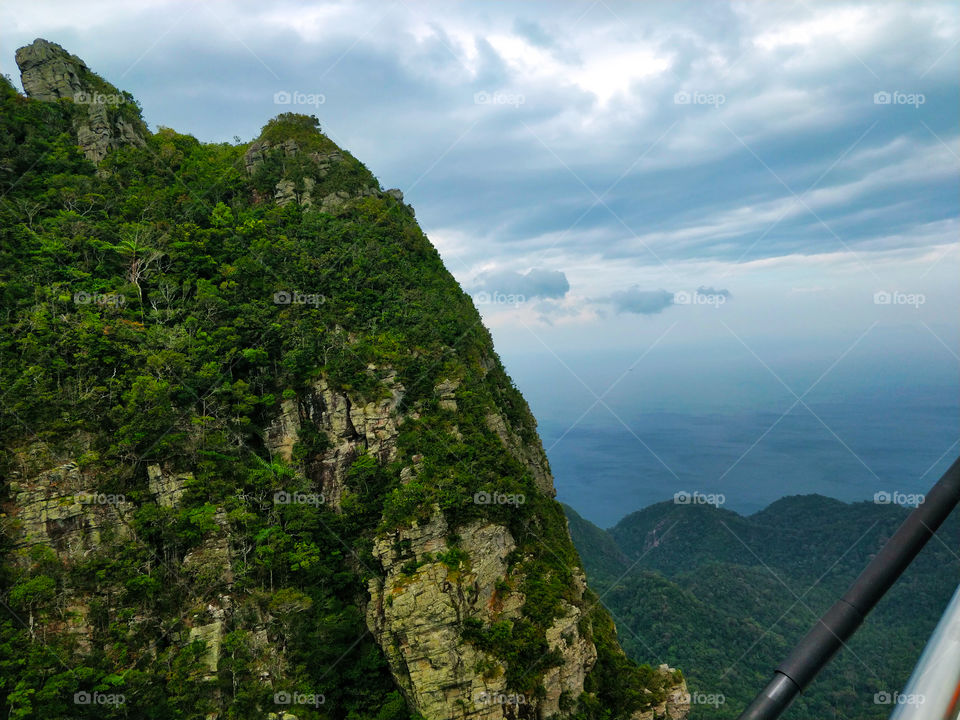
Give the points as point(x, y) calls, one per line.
point(599, 85)
point(839, 25)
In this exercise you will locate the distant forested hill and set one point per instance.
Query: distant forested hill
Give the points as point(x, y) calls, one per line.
point(724, 597)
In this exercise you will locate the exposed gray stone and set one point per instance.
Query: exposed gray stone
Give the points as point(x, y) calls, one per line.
point(446, 390)
point(167, 489)
point(61, 508)
point(675, 707)
point(48, 72)
point(578, 656)
point(351, 428)
point(286, 192)
point(530, 454)
point(212, 636)
point(334, 201)
point(417, 618)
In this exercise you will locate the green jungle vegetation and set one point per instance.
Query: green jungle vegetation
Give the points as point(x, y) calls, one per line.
point(139, 327)
point(726, 597)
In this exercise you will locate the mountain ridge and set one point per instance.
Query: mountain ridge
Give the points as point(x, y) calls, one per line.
point(260, 457)
point(725, 596)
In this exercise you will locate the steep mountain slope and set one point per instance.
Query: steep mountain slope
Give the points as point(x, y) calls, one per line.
point(602, 557)
point(260, 458)
point(725, 597)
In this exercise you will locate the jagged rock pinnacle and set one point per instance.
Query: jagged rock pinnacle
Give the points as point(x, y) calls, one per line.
point(112, 119)
point(48, 72)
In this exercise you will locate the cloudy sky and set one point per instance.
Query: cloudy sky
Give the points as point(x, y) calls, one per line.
point(758, 180)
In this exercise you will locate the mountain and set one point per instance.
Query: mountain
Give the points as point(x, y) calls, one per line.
point(259, 457)
point(725, 597)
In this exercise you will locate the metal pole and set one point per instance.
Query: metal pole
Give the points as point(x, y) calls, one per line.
point(842, 620)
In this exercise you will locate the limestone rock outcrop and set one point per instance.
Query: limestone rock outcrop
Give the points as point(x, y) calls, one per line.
point(60, 508)
point(417, 616)
point(578, 656)
point(48, 72)
point(530, 454)
point(310, 189)
point(110, 118)
point(676, 706)
point(350, 428)
point(417, 612)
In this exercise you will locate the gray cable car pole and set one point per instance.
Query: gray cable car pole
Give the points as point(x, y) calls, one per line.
point(842, 620)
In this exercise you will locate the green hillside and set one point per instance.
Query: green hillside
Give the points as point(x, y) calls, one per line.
point(254, 439)
point(725, 597)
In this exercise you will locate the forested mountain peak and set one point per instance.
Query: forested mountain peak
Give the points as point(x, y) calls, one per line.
point(256, 444)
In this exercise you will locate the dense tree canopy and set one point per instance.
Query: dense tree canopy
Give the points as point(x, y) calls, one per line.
point(156, 309)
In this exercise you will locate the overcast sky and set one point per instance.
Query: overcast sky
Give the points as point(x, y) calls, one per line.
point(604, 175)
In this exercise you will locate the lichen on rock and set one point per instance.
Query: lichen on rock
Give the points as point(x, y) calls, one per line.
point(417, 615)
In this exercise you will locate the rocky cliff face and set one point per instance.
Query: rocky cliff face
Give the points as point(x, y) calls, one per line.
point(318, 165)
point(417, 615)
point(353, 466)
point(106, 118)
point(416, 608)
point(354, 428)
